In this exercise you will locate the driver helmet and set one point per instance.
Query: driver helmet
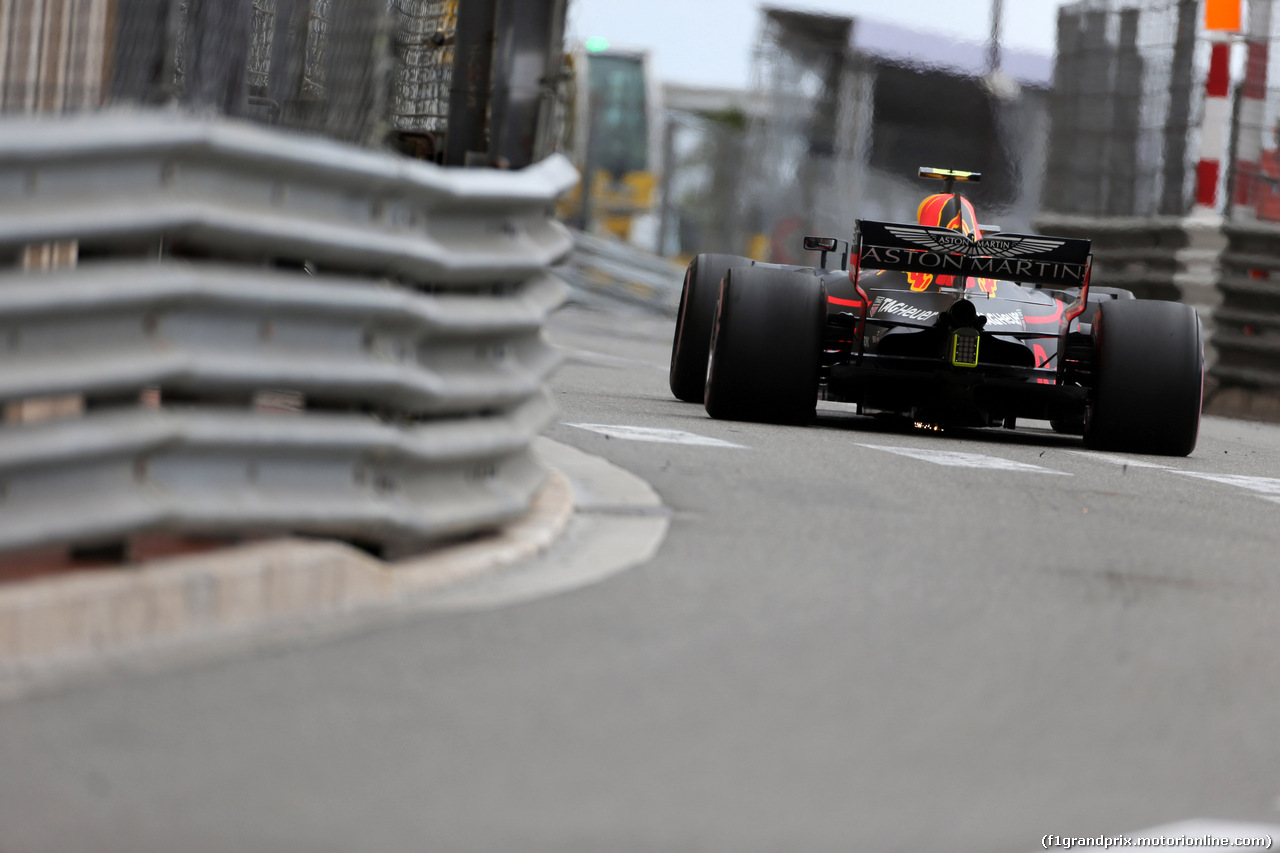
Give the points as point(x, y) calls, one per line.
point(949, 210)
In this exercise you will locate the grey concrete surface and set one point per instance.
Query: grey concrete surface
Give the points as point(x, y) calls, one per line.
point(837, 647)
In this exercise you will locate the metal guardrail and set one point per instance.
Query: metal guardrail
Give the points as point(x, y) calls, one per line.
point(268, 333)
point(1247, 336)
point(604, 267)
point(1156, 257)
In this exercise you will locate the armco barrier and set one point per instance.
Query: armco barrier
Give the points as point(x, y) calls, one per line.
point(1156, 257)
point(1247, 336)
point(605, 267)
point(267, 333)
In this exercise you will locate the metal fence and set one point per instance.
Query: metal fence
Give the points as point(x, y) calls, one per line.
point(265, 332)
point(1253, 175)
point(801, 160)
point(850, 108)
point(1124, 109)
point(351, 69)
point(424, 63)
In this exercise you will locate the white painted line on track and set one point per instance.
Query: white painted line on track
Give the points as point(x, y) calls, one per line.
point(1120, 460)
point(662, 436)
point(955, 459)
point(1266, 487)
point(1261, 485)
point(602, 539)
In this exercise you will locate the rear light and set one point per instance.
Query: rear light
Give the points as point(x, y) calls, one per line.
point(964, 348)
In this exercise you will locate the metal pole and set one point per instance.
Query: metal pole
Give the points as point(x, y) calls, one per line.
point(526, 54)
point(469, 91)
point(586, 211)
point(141, 63)
point(664, 187)
point(993, 47)
point(216, 51)
point(1249, 131)
point(1177, 129)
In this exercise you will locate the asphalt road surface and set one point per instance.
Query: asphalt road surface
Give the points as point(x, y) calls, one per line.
point(855, 638)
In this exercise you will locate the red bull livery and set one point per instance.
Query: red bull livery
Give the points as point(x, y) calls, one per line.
point(946, 322)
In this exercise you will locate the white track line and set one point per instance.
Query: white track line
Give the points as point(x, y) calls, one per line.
point(1266, 487)
point(955, 459)
point(1261, 485)
point(663, 436)
point(1120, 460)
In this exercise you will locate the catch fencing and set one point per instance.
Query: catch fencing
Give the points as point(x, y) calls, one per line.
point(356, 70)
point(1124, 109)
point(223, 329)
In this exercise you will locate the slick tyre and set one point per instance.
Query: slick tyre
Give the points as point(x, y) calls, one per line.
point(1149, 378)
point(694, 319)
point(1067, 426)
point(766, 347)
point(1099, 296)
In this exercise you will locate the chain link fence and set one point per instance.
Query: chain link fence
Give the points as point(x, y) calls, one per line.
point(806, 145)
point(850, 108)
point(355, 70)
point(1124, 108)
point(1254, 175)
point(424, 62)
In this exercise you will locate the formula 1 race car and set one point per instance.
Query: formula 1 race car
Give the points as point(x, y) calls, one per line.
point(946, 326)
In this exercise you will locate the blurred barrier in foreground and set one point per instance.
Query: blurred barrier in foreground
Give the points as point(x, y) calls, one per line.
point(357, 70)
point(228, 330)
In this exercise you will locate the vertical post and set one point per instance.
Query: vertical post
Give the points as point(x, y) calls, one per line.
point(1251, 132)
point(356, 65)
point(1126, 113)
point(1178, 122)
point(664, 186)
point(1214, 128)
point(526, 54)
point(727, 180)
point(825, 145)
point(586, 211)
point(545, 134)
point(216, 52)
point(1060, 179)
point(141, 71)
point(993, 46)
point(1093, 109)
point(469, 89)
point(288, 59)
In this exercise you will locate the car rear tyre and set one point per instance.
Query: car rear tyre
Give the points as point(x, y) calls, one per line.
point(1149, 378)
point(694, 320)
point(1067, 426)
point(1099, 296)
point(766, 346)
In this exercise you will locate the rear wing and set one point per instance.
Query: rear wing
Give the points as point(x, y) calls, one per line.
point(1025, 258)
